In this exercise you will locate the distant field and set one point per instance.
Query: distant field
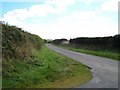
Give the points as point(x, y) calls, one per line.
point(102, 53)
point(46, 69)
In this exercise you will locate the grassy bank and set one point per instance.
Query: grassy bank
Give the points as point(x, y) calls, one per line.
point(28, 63)
point(47, 69)
point(102, 53)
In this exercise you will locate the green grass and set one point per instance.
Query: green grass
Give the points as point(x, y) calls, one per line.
point(45, 69)
point(102, 53)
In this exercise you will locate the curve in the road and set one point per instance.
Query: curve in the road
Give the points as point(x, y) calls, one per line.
point(105, 71)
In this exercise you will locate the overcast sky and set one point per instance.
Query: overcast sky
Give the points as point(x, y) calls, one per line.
point(53, 19)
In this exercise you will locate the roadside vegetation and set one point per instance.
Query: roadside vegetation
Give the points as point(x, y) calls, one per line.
point(101, 53)
point(28, 63)
point(59, 71)
point(101, 46)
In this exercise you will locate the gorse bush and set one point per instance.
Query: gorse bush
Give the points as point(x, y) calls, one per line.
point(17, 43)
point(18, 55)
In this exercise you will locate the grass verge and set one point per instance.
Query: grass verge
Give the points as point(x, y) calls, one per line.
point(46, 69)
point(102, 53)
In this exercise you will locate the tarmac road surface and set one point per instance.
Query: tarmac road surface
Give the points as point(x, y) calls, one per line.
point(105, 71)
